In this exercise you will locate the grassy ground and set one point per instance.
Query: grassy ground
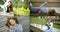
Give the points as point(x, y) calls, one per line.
point(1, 3)
point(57, 26)
point(43, 22)
point(1, 10)
point(38, 20)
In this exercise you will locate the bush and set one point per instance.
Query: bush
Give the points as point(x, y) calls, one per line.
point(21, 11)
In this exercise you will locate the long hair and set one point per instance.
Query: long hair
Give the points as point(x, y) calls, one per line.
point(52, 12)
point(11, 6)
point(8, 19)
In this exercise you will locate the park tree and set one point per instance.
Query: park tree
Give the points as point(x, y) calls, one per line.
point(20, 3)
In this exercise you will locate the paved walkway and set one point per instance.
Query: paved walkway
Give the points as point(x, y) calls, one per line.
point(44, 28)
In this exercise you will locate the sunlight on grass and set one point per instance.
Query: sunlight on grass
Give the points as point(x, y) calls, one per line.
point(38, 20)
point(43, 22)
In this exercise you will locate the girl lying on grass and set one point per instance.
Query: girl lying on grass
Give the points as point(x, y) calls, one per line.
point(7, 8)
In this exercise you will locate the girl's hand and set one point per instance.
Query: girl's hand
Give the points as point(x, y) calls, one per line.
point(45, 2)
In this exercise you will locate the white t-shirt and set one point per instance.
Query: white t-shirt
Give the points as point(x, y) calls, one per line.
point(51, 23)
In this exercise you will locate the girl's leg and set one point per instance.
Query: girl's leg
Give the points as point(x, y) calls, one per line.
point(43, 8)
point(33, 10)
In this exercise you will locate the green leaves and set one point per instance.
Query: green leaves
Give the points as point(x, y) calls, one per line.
point(22, 8)
point(1, 2)
point(20, 4)
point(21, 11)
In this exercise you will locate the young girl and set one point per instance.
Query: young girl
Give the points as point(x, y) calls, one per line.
point(41, 9)
point(13, 25)
point(49, 26)
point(4, 7)
point(9, 7)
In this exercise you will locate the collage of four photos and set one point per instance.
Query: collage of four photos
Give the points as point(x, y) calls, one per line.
point(29, 15)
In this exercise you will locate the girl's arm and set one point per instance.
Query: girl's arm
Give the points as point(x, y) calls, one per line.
point(31, 4)
point(42, 5)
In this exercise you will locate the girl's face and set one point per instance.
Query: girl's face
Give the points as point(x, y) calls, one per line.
point(9, 4)
point(12, 22)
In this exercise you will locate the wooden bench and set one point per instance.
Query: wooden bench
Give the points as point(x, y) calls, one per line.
point(34, 29)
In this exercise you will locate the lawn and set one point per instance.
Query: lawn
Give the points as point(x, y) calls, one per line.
point(1, 3)
point(57, 26)
point(38, 20)
point(43, 22)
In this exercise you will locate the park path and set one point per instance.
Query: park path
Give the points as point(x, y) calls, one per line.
point(44, 28)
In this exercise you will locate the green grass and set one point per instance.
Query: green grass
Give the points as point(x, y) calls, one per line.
point(38, 20)
point(57, 26)
point(0, 10)
point(1, 3)
point(43, 22)
point(20, 4)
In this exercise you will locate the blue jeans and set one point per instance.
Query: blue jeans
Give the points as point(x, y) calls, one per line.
point(33, 10)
